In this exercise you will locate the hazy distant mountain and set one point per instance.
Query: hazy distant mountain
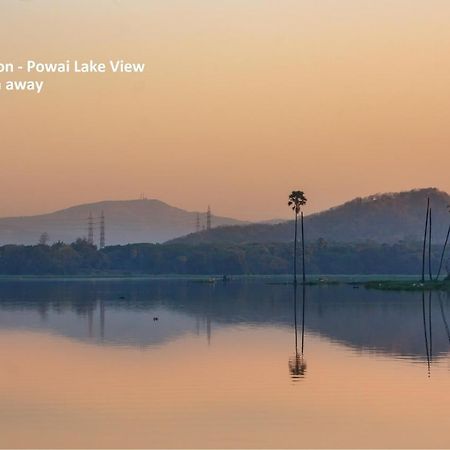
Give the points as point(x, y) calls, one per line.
point(128, 221)
point(271, 221)
point(384, 218)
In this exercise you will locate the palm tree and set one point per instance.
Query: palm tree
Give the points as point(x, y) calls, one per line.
point(296, 200)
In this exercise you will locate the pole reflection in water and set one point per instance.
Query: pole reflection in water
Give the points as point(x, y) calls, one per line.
point(428, 337)
point(297, 363)
point(444, 318)
point(102, 320)
point(90, 322)
point(430, 326)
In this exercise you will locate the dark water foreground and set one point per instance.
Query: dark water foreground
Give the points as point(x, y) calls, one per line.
point(182, 364)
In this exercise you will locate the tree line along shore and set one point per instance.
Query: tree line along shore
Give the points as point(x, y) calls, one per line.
point(321, 257)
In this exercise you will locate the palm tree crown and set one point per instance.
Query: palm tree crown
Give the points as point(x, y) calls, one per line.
point(296, 200)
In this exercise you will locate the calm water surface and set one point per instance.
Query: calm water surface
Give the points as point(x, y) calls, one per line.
point(84, 364)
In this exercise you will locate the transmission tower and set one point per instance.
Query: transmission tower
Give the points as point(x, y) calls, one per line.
point(90, 229)
point(197, 223)
point(102, 230)
point(208, 218)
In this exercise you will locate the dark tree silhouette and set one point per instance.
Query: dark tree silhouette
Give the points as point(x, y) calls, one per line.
point(296, 200)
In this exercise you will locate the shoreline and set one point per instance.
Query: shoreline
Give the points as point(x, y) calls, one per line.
point(376, 282)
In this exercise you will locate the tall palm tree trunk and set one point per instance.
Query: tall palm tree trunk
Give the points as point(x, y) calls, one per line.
point(303, 251)
point(295, 249)
point(443, 253)
point(429, 249)
point(303, 316)
point(425, 241)
point(295, 320)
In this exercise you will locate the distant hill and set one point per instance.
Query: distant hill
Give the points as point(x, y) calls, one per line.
point(383, 218)
point(128, 221)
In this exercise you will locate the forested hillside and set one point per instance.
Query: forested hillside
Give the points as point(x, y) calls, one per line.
point(383, 218)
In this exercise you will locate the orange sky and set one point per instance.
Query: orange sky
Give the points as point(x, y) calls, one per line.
point(242, 101)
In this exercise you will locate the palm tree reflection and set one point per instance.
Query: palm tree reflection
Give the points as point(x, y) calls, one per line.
point(102, 320)
point(297, 363)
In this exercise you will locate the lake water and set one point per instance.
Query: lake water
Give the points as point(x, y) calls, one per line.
point(86, 364)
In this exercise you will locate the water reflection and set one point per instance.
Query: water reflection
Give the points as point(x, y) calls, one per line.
point(427, 329)
point(102, 320)
point(121, 313)
point(427, 323)
point(297, 363)
point(444, 317)
point(86, 366)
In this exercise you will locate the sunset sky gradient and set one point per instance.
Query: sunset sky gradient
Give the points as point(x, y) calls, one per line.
point(242, 101)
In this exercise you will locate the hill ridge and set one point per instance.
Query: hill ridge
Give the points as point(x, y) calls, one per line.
point(382, 217)
point(127, 221)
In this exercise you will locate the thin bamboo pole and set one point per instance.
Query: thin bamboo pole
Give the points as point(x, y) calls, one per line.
point(443, 253)
point(425, 241)
point(430, 274)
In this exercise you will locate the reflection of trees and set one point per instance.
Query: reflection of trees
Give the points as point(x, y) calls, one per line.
point(297, 363)
point(339, 313)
